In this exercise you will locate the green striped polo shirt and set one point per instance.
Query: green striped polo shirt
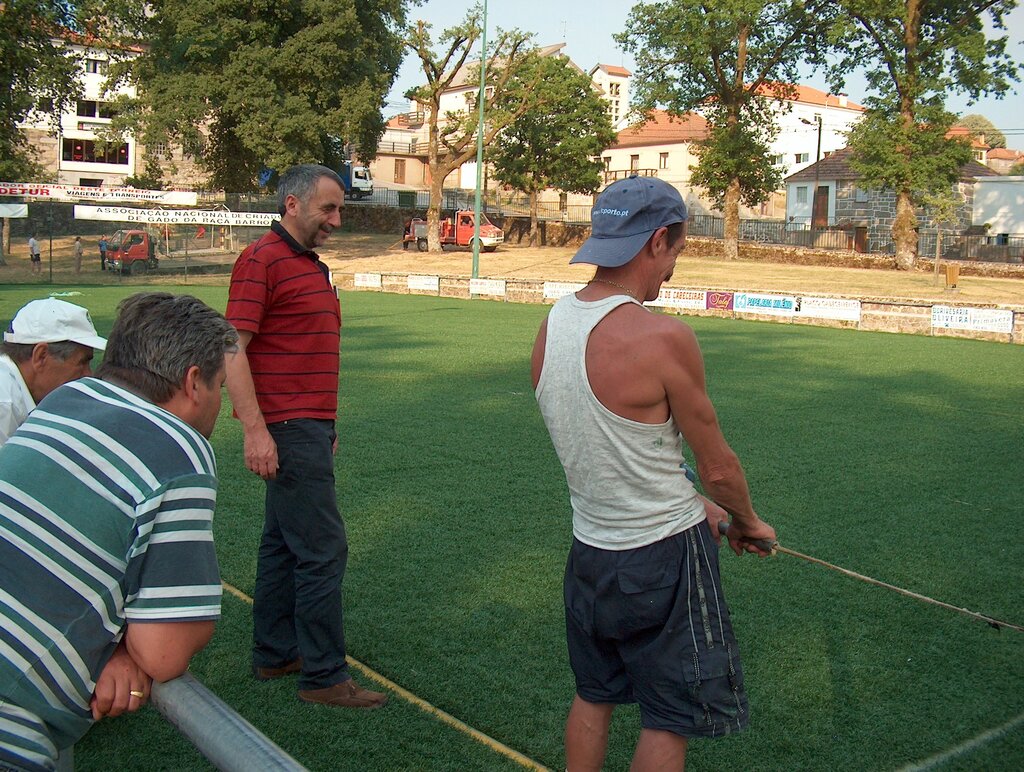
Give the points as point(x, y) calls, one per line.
point(106, 515)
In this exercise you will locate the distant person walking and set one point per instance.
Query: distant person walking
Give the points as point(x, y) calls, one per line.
point(78, 254)
point(103, 253)
point(33, 254)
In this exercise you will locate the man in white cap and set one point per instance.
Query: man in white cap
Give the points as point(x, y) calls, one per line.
point(620, 388)
point(48, 343)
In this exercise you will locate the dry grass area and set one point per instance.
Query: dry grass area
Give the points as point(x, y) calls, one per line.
point(375, 253)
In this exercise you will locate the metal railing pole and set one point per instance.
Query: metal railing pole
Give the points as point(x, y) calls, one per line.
point(226, 739)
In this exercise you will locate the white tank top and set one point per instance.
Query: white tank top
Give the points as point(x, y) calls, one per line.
point(625, 482)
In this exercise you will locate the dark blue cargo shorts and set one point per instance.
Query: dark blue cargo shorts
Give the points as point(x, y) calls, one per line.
point(650, 625)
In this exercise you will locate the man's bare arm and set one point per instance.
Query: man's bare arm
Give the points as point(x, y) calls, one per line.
point(537, 358)
point(720, 471)
point(260, 448)
point(163, 649)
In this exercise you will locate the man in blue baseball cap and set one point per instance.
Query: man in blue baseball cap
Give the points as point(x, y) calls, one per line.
point(620, 388)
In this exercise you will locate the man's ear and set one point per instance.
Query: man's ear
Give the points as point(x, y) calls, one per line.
point(291, 203)
point(190, 384)
point(40, 355)
point(659, 241)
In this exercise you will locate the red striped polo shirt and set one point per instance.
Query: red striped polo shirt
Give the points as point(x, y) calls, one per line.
point(281, 293)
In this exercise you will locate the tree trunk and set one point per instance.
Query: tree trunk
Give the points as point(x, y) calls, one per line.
point(904, 232)
point(533, 218)
point(434, 213)
point(731, 243)
point(4, 225)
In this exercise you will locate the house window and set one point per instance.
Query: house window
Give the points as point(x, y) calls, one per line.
point(662, 160)
point(96, 66)
point(159, 150)
point(89, 108)
point(89, 182)
point(613, 89)
point(802, 158)
point(860, 195)
point(88, 151)
point(607, 162)
point(634, 162)
point(400, 170)
point(801, 194)
point(777, 160)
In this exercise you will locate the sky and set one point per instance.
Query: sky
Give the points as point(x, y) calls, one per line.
point(587, 26)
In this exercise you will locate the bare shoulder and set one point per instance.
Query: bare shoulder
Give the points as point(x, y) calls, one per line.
point(672, 335)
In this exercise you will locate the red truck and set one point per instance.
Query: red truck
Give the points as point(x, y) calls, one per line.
point(131, 252)
point(456, 230)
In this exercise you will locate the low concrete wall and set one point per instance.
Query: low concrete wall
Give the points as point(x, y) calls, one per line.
point(897, 315)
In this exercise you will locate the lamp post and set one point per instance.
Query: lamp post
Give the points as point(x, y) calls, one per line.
point(817, 158)
point(479, 146)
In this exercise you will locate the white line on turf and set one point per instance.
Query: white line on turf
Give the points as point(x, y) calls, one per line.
point(939, 759)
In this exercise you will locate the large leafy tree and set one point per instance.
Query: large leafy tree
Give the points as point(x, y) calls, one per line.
point(979, 124)
point(914, 52)
point(556, 143)
point(38, 75)
point(245, 85)
point(723, 59)
point(451, 135)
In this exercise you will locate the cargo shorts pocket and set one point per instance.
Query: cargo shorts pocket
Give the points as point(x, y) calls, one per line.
point(648, 594)
point(714, 685)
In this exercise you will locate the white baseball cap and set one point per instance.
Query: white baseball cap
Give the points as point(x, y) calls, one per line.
point(52, 321)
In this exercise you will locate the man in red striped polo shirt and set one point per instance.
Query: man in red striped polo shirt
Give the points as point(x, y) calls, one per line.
point(283, 383)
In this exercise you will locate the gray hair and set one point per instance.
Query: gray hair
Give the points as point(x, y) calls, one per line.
point(157, 337)
point(22, 352)
point(300, 181)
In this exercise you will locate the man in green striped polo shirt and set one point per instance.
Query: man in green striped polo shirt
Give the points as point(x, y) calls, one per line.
point(108, 577)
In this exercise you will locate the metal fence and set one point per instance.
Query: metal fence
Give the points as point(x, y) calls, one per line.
point(196, 245)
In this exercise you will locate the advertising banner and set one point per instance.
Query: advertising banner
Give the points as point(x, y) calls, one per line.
point(14, 210)
point(175, 216)
point(775, 305)
point(680, 298)
point(976, 319)
point(494, 287)
point(85, 192)
point(720, 301)
point(367, 280)
point(828, 308)
point(428, 283)
point(557, 289)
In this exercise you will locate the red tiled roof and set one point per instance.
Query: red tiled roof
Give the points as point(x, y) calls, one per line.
point(812, 96)
point(664, 129)
point(976, 136)
point(612, 69)
point(1004, 154)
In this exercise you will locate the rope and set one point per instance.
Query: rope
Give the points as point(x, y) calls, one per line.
point(996, 623)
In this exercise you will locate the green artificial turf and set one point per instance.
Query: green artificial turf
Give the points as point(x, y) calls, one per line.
point(899, 457)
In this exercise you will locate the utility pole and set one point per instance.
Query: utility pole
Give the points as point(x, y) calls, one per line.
point(817, 159)
point(480, 146)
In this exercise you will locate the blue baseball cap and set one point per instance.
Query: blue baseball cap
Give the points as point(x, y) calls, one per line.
point(626, 215)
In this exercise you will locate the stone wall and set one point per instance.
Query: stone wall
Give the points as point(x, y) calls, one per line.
point(893, 315)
